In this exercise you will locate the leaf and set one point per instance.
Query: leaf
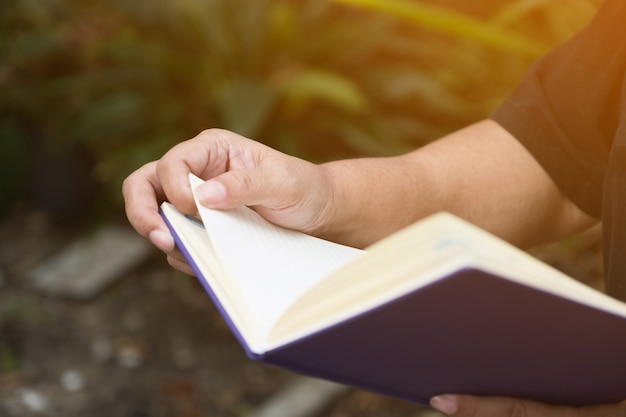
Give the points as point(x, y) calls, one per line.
point(244, 105)
point(452, 23)
point(515, 10)
point(311, 85)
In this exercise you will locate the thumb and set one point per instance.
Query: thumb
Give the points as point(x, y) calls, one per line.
point(212, 193)
point(257, 186)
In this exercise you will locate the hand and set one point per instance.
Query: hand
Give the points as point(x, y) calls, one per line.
point(469, 406)
point(285, 190)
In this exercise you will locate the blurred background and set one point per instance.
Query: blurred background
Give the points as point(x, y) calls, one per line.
point(92, 89)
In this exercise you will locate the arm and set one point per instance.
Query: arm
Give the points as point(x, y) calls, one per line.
point(480, 173)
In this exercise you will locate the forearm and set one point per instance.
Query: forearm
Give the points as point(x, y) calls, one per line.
point(480, 173)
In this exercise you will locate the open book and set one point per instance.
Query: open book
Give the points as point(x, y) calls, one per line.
point(439, 307)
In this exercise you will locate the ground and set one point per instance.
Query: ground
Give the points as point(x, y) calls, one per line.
point(152, 344)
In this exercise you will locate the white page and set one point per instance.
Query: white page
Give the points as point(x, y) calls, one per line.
point(272, 266)
point(196, 243)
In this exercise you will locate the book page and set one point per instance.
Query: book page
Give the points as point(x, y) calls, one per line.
point(416, 256)
point(272, 266)
point(193, 242)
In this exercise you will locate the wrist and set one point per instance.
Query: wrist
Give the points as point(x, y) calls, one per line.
point(323, 198)
point(368, 198)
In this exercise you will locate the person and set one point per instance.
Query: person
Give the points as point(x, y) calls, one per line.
point(551, 161)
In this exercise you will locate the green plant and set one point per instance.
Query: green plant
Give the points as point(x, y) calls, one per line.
point(124, 81)
point(454, 23)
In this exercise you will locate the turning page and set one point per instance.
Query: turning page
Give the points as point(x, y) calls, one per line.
point(271, 265)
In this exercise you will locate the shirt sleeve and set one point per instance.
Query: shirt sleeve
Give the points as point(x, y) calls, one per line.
point(567, 108)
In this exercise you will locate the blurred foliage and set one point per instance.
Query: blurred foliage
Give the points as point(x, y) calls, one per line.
point(117, 83)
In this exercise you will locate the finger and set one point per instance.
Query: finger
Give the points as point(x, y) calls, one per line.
point(237, 188)
point(206, 155)
point(471, 406)
point(277, 183)
point(178, 255)
point(605, 410)
point(142, 193)
point(181, 266)
point(162, 239)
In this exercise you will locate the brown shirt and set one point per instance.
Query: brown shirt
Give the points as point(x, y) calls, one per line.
point(570, 113)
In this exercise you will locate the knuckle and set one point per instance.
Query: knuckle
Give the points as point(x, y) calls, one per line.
point(129, 182)
point(213, 132)
point(518, 409)
point(126, 185)
point(246, 184)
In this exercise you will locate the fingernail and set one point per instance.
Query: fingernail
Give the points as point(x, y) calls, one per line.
point(162, 240)
point(447, 404)
point(211, 192)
